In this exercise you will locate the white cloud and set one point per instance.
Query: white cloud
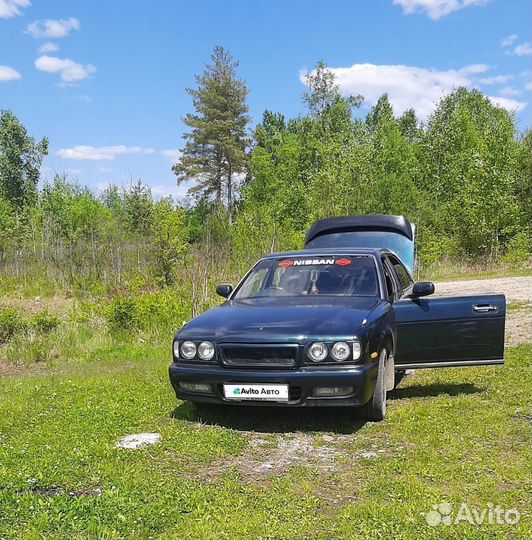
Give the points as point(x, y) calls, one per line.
point(105, 170)
point(52, 28)
point(413, 87)
point(69, 70)
point(523, 50)
point(9, 74)
point(510, 91)
point(160, 191)
point(508, 41)
point(435, 9)
point(172, 155)
point(48, 47)
point(528, 86)
point(100, 153)
point(511, 105)
point(496, 79)
point(11, 8)
point(407, 86)
point(73, 172)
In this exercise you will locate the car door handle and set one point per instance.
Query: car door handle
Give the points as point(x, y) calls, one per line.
point(485, 308)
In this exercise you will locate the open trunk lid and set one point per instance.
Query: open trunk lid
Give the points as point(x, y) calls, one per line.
point(395, 233)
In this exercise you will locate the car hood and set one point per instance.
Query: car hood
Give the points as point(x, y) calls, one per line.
point(281, 319)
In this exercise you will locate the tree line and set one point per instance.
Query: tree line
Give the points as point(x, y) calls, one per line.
point(463, 176)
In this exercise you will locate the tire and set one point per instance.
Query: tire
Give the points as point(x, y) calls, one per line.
point(375, 409)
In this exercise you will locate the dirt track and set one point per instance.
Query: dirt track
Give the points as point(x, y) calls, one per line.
point(518, 293)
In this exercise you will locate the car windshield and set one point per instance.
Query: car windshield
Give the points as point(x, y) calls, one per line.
point(306, 276)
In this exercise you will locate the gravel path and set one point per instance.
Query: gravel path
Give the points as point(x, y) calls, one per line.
point(518, 291)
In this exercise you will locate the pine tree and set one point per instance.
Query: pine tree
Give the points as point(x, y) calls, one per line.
point(215, 149)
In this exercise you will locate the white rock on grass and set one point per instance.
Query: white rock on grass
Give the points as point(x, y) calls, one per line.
point(369, 455)
point(138, 439)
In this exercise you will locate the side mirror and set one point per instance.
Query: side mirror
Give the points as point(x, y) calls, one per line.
point(224, 289)
point(422, 288)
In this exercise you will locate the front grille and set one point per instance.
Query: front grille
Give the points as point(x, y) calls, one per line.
point(261, 356)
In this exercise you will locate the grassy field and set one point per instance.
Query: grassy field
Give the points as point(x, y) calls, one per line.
point(450, 436)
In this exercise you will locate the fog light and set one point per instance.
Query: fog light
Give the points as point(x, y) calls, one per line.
point(196, 388)
point(332, 391)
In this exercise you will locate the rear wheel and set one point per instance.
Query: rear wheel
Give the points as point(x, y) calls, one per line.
point(375, 409)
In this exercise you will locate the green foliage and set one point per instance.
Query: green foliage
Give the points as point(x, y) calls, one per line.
point(11, 324)
point(20, 161)
point(468, 156)
point(8, 223)
point(519, 248)
point(45, 322)
point(157, 312)
point(170, 239)
point(464, 178)
point(137, 208)
point(163, 311)
point(121, 314)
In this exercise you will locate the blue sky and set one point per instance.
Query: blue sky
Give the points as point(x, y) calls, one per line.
point(105, 80)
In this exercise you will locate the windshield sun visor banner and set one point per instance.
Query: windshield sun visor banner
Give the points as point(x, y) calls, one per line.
point(314, 262)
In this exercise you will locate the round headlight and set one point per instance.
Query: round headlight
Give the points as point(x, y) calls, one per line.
point(340, 351)
point(188, 350)
point(175, 347)
point(206, 350)
point(317, 351)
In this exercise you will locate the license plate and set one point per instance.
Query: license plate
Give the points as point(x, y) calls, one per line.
point(258, 392)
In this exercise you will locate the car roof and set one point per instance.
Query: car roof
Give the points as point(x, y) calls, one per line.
point(327, 252)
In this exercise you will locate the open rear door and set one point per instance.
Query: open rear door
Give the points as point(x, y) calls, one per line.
point(450, 331)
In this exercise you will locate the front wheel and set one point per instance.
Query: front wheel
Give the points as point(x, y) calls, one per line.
point(375, 409)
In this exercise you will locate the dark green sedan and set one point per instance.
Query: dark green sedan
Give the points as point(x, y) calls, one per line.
point(335, 324)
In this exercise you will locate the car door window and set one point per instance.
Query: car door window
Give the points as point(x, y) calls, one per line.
point(391, 284)
point(402, 274)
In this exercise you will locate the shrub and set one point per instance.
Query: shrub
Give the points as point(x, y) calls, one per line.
point(11, 323)
point(162, 311)
point(519, 248)
point(45, 322)
point(121, 314)
point(433, 249)
point(36, 350)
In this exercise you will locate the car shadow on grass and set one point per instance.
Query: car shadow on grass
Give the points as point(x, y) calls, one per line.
point(434, 390)
point(265, 419)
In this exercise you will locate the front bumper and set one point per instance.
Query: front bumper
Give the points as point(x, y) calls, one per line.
point(301, 382)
